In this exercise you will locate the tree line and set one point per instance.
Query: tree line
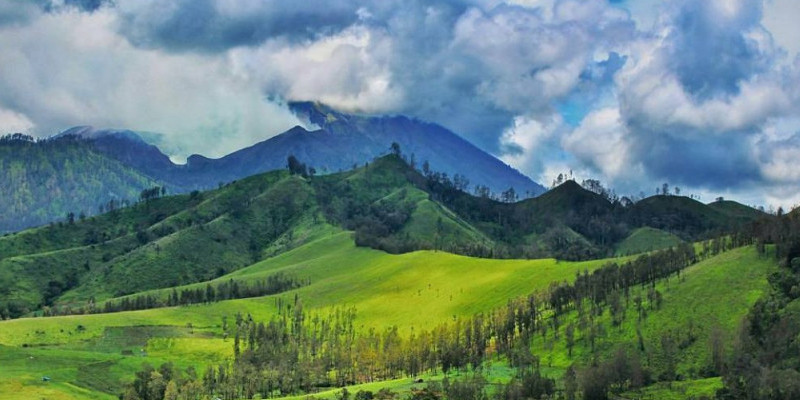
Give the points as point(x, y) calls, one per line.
point(228, 290)
point(764, 363)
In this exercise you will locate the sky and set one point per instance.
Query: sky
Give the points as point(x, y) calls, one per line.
point(702, 95)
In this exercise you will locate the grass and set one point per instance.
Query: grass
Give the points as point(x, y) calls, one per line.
point(693, 389)
point(713, 294)
point(418, 289)
point(646, 239)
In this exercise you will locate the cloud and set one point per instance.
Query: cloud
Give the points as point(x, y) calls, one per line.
point(218, 25)
point(71, 68)
point(14, 122)
point(699, 94)
point(696, 97)
point(601, 141)
point(729, 30)
point(16, 13)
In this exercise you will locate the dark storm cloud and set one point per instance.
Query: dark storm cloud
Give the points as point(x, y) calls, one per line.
point(710, 50)
point(206, 25)
point(699, 161)
point(218, 25)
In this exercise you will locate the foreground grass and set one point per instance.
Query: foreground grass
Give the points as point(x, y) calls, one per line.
point(693, 389)
point(419, 289)
point(714, 294)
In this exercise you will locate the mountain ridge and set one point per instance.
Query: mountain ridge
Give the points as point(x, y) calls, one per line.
point(340, 144)
point(387, 205)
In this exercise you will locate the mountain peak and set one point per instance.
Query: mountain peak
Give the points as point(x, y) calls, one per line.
point(296, 130)
point(89, 132)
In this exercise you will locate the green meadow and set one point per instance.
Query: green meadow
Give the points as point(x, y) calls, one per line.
point(91, 356)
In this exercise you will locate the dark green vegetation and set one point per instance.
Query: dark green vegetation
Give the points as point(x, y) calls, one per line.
point(766, 361)
point(227, 290)
point(161, 242)
point(169, 241)
point(59, 179)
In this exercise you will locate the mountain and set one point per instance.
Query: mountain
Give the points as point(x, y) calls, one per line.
point(91, 166)
point(127, 147)
point(181, 239)
point(342, 142)
point(44, 181)
point(359, 137)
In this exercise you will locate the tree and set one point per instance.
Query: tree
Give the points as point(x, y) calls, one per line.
point(171, 392)
point(296, 167)
point(395, 148)
point(569, 333)
point(665, 189)
point(570, 383)
point(717, 344)
point(509, 196)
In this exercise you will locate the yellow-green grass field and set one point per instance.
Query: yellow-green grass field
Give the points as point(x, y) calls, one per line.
point(714, 294)
point(419, 289)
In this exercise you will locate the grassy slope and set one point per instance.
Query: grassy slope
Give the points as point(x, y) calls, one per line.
point(646, 239)
point(166, 242)
point(424, 219)
point(715, 292)
point(736, 210)
point(417, 289)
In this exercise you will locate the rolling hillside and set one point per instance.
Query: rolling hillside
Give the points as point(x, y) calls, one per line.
point(646, 239)
point(175, 240)
point(325, 234)
point(44, 181)
point(88, 356)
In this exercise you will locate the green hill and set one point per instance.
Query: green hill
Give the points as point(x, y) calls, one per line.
point(647, 239)
point(165, 242)
point(685, 217)
point(44, 181)
point(381, 240)
point(737, 210)
point(176, 240)
point(419, 289)
point(157, 243)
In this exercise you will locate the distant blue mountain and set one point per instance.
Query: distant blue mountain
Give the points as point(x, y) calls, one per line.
point(342, 141)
